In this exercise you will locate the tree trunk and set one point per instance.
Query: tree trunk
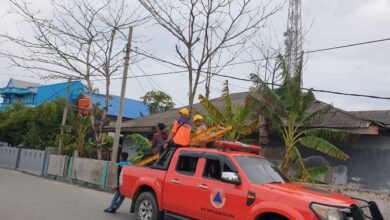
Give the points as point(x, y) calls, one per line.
point(190, 81)
point(208, 80)
point(263, 131)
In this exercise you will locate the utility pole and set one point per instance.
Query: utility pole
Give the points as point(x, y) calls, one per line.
point(123, 91)
point(65, 115)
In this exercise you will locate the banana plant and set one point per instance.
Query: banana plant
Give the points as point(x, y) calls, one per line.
point(235, 115)
point(287, 110)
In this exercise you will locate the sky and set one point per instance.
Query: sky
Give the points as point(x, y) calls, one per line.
point(326, 23)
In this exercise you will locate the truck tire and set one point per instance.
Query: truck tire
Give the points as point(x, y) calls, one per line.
point(146, 207)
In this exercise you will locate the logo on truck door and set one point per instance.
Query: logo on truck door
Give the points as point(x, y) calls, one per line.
point(217, 198)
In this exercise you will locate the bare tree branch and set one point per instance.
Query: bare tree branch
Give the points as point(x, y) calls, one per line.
point(206, 29)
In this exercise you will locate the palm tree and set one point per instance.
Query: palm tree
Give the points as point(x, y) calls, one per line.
point(235, 115)
point(287, 111)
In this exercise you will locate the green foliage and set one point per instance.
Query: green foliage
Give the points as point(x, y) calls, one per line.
point(237, 116)
point(158, 101)
point(35, 128)
point(81, 125)
point(39, 127)
point(323, 146)
point(287, 109)
point(141, 145)
point(89, 149)
point(107, 141)
point(314, 172)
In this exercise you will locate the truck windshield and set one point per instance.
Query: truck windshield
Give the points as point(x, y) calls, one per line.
point(260, 171)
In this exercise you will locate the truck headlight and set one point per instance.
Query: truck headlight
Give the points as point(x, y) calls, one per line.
point(325, 212)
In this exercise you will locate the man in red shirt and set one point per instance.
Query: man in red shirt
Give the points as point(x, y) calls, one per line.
point(159, 138)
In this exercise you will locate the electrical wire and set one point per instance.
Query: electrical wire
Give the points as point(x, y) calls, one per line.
point(311, 89)
point(247, 80)
point(160, 88)
point(270, 58)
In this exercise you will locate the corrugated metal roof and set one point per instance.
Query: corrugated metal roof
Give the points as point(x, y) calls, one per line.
point(21, 84)
point(335, 118)
point(46, 93)
point(380, 116)
point(51, 92)
point(131, 108)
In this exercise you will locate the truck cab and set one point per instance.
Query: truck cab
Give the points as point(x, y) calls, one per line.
point(226, 184)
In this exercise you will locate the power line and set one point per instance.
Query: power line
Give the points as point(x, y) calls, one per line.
point(160, 88)
point(311, 89)
point(311, 51)
point(275, 84)
point(242, 62)
point(270, 58)
point(247, 80)
point(139, 84)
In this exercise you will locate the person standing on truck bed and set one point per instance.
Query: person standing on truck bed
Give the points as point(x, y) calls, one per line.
point(181, 131)
point(200, 127)
point(159, 138)
point(199, 124)
point(118, 197)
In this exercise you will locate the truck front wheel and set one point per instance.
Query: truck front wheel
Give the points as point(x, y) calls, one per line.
point(146, 207)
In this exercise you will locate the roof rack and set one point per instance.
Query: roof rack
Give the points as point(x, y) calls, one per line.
point(237, 146)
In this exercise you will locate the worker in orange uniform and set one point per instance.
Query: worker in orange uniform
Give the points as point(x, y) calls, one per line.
point(181, 131)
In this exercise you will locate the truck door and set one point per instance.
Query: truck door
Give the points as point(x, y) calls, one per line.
point(179, 184)
point(220, 200)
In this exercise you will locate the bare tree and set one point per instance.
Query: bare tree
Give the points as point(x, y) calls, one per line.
point(264, 54)
point(81, 39)
point(231, 23)
point(115, 19)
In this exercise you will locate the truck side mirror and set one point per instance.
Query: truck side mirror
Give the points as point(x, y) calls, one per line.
point(231, 177)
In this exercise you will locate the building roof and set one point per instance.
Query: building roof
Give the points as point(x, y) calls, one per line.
point(131, 108)
point(21, 84)
point(379, 116)
point(335, 118)
point(148, 123)
point(51, 92)
point(46, 93)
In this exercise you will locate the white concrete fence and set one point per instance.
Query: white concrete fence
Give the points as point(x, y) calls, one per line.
point(97, 172)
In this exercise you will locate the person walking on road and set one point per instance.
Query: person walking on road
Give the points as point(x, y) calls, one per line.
point(118, 197)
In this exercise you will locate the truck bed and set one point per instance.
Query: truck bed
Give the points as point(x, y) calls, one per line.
point(134, 175)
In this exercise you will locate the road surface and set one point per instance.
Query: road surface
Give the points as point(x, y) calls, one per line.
point(28, 197)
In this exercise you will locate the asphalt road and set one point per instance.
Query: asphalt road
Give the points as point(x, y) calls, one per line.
point(28, 197)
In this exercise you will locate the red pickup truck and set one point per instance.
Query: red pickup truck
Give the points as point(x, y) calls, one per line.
point(193, 183)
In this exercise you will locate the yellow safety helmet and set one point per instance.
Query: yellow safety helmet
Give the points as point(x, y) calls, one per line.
point(197, 117)
point(184, 111)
